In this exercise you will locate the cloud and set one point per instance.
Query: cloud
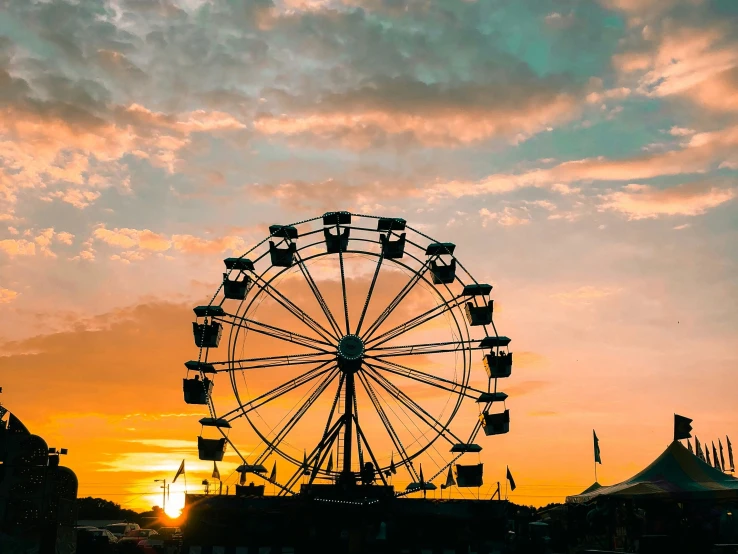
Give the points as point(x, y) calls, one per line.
point(507, 217)
point(18, 247)
point(691, 55)
point(7, 295)
point(196, 245)
point(690, 199)
point(138, 243)
point(321, 195)
point(585, 295)
point(698, 154)
point(70, 141)
point(130, 238)
point(432, 114)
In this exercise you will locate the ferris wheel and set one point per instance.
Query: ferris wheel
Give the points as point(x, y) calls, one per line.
point(354, 347)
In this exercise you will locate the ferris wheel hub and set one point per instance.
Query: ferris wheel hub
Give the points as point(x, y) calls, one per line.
point(350, 352)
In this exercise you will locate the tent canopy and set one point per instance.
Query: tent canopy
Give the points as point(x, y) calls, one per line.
point(676, 474)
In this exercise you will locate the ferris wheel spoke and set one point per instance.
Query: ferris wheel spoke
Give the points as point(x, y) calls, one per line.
point(328, 432)
point(318, 454)
point(355, 417)
point(427, 348)
point(280, 436)
point(275, 332)
point(291, 307)
point(343, 283)
point(395, 302)
point(369, 294)
point(415, 322)
point(273, 361)
point(359, 438)
point(413, 406)
point(276, 392)
point(387, 423)
point(318, 296)
point(426, 378)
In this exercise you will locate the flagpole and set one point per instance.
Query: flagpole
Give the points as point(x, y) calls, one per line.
point(595, 464)
point(508, 471)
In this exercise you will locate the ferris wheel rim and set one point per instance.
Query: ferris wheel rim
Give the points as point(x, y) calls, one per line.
point(466, 352)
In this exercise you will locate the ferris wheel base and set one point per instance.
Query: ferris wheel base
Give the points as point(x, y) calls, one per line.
point(359, 493)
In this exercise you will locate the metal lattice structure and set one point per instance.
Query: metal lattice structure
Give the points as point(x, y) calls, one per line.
point(341, 368)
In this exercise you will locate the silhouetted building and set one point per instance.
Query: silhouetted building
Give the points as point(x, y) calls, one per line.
point(37, 496)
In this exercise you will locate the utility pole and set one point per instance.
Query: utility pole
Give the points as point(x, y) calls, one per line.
point(163, 492)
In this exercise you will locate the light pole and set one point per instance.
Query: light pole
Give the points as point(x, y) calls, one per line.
point(163, 493)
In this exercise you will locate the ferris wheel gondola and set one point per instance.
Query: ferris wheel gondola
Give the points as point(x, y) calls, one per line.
point(300, 373)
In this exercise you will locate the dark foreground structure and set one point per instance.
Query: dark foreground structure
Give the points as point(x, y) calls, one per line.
point(678, 504)
point(37, 496)
point(231, 524)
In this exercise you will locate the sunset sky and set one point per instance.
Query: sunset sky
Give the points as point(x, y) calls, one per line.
point(582, 154)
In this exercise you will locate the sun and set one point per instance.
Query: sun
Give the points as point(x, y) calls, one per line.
point(175, 505)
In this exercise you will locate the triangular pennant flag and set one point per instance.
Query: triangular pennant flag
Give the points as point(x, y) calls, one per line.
point(216, 473)
point(180, 471)
point(598, 460)
point(698, 448)
point(682, 427)
point(242, 480)
point(689, 445)
point(450, 481)
point(273, 474)
point(329, 468)
point(730, 453)
point(722, 456)
point(715, 461)
point(422, 480)
point(392, 467)
point(510, 478)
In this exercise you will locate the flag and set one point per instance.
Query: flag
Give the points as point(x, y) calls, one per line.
point(698, 448)
point(510, 478)
point(598, 460)
point(722, 456)
point(707, 456)
point(329, 468)
point(180, 471)
point(273, 474)
point(682, 427)
point(715, 461)
point(689, 445)
point(216, 473)
point(392, 468)
point(450, 482)
point(730, 453)
point(422, 481)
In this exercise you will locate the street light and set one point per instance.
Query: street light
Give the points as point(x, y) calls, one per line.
point(54, 455)
point(163, 492)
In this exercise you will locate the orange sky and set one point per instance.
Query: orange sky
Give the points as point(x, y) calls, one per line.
point(588, 172)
